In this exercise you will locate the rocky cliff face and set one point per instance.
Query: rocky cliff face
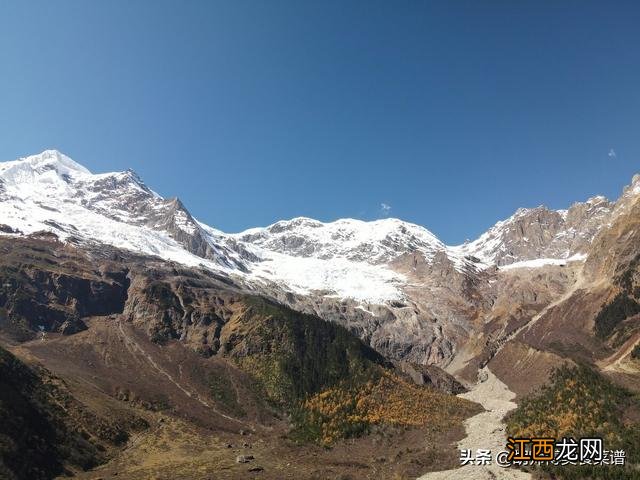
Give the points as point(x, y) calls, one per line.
point(536, 233)
point(617, 244)
point(56, 292)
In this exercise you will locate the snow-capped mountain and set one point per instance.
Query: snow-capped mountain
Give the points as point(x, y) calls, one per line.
point(347, 258)
point(393, 283)
point(51, 192)
point(540, 233)
point(375, 242)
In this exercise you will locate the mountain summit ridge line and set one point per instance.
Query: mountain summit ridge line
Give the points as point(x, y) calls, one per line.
point(348, 258)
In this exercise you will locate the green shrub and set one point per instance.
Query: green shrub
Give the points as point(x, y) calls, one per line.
point(222, 390)
point(610, 316)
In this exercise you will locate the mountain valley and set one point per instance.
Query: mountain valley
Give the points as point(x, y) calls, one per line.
point(160, 347)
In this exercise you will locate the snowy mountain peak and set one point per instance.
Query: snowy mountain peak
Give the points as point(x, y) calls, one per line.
point(51, 192)
point(598, 199)
point(634, 188)
point(534, 233)
point(374, 242)
point(47, 160)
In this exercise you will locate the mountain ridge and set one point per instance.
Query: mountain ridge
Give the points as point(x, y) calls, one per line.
point(363, 247)
point(392, 283)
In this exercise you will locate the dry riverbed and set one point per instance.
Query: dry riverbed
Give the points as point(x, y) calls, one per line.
point(485, 430)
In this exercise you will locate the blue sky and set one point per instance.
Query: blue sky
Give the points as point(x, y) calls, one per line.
point(452, 114)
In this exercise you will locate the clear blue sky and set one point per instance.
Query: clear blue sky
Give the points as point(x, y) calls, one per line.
point(453, 113)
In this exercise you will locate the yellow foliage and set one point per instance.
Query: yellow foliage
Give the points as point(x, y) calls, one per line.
point(390, 400)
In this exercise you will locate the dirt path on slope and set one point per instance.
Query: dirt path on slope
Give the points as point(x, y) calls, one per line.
point(485, 430)
point(135, 348)
point(619, 361)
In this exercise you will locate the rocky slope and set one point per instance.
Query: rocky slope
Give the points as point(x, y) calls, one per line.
point(540, 233)
point(45, 430)
point(593, 314)
point(181, 345)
